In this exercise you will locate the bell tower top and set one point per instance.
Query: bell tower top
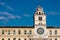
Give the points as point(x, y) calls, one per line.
point(39, 16)
point(39, 10)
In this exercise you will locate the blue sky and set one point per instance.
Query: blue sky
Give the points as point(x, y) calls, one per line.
point(20, 12)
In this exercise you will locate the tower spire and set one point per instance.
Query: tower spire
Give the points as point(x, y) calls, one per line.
point(38, 6)
point(39, 9)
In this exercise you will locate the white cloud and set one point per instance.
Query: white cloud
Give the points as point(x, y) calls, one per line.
point(5, 13)
point(52, 13)
point(7, 6)
point(10, 8)
point(26, 15)
point(6, 16)
point(3, 18)
point(18, 17)
point(14, 17)
point(9, 16)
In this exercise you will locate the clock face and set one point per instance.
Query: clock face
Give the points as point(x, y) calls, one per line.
point(40, 31)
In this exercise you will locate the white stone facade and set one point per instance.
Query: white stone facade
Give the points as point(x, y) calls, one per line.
point(37, 32)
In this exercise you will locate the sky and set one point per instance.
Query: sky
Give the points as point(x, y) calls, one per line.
point(20, 12)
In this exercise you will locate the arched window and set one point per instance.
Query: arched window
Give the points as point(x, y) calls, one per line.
point(51, 39)
point(25, 31)
point(55, 32)
point(2, 31)
point(14, 31)
point(40, 13)
point(30, 31)
point(9, 32)
point(8, 38)
point(25, 39)
point(29, 39)
point(19, 39)
point(14, 39)
point(19, 31)
point(55, 38)
point(50, 32)
point(2, 38)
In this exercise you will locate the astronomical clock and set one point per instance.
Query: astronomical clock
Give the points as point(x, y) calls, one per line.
point(40, 31)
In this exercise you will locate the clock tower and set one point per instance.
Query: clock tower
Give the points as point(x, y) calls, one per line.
point(40, 23)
